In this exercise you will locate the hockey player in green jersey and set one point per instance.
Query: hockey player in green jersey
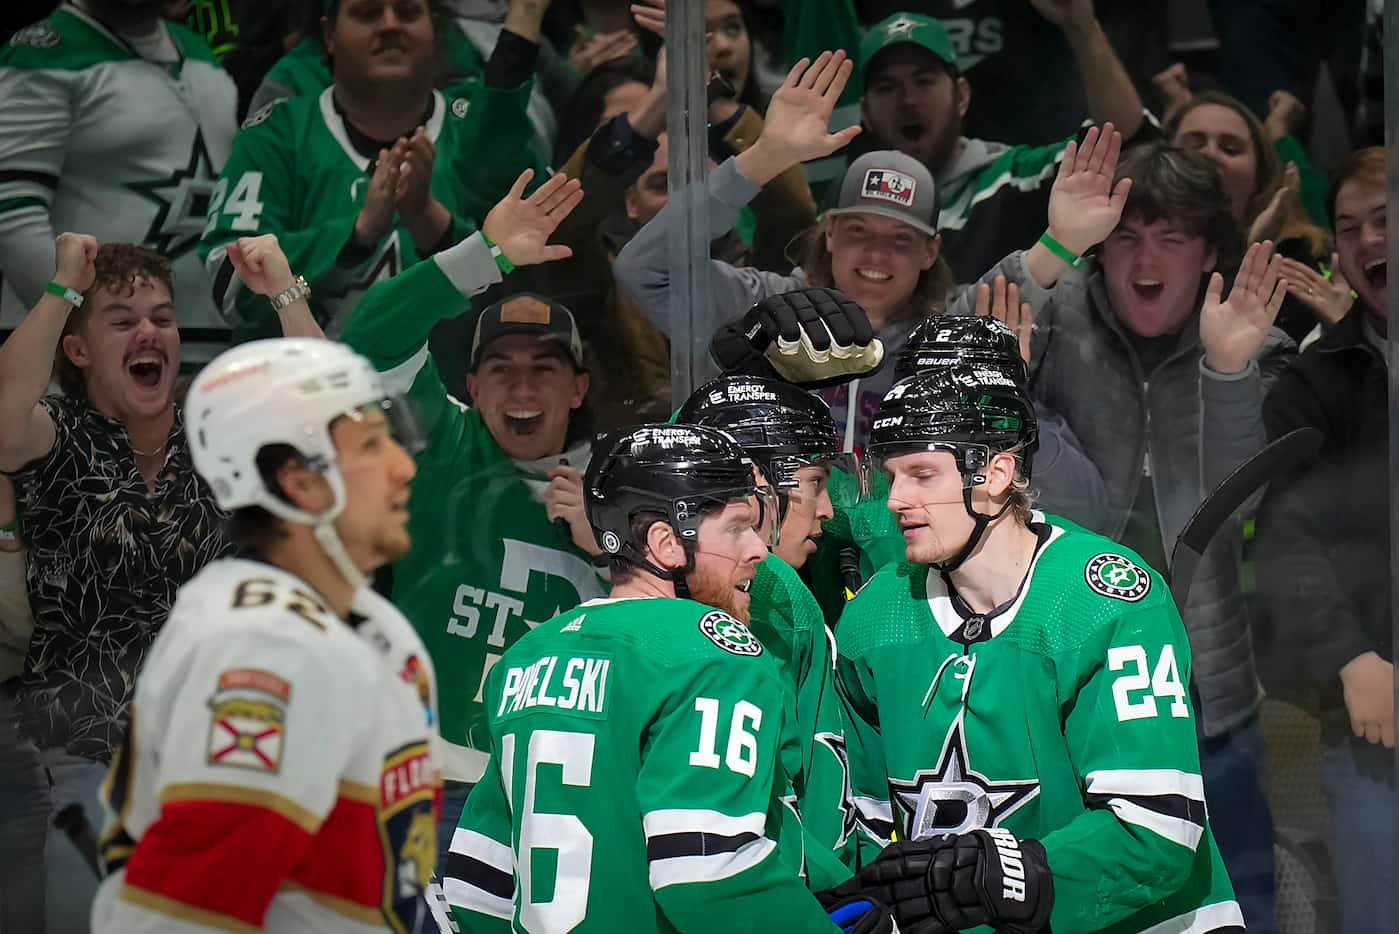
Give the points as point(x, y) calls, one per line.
point(374, 173)
point(487, 562)
point(1016, 703)
point(641, 744)
point(791, 437)
point(1066, 480)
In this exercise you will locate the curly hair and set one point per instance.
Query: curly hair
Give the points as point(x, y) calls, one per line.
point(119, 266)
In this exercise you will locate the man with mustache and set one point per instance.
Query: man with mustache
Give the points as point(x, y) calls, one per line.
point(374, 173)
point(111, 511)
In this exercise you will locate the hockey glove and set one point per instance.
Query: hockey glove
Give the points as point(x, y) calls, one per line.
point(963, 880)
point(860, 915)
point(811, 337)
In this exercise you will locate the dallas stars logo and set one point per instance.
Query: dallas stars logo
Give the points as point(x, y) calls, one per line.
point(183, 200)
point(952, 797)
point(835, 742)
point(1118, 577)
point(903, 26)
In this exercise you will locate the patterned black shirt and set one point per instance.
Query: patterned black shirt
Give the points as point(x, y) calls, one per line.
point(106, 556)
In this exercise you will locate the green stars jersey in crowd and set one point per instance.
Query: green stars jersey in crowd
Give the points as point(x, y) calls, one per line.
point(486, 564)
point(641, 753)
point(295, 172)
point(125, 144)
point(1064, 718)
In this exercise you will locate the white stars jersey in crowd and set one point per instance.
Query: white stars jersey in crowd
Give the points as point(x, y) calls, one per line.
point(281, 769)
point(100, 137)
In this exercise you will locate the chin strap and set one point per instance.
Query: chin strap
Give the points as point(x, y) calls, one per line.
point(980, 521)
point(324, 532)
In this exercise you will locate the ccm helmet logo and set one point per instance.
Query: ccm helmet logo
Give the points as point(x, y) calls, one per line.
point(889, 422)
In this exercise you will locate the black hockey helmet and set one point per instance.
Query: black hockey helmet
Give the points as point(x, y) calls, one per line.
point(971, 411)
point(669, 469)
point(945, 340)
point(781, 427)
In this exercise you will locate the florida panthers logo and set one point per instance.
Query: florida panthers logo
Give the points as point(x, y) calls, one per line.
point(409, 802)
point(418, 855)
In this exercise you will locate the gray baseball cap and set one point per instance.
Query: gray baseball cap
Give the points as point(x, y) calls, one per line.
point(891, 184)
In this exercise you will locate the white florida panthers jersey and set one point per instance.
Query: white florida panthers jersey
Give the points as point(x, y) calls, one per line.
point(281, 771)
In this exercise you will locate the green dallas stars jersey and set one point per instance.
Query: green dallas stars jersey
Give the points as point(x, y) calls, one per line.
point(486, 564)
point(862, 522)
point(293, 172)
point(787, 621)
point(1065, 718)
point(641, 754)
point(96, 139)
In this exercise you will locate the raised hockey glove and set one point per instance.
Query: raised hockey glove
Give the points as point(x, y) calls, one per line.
point(964, 880)
point(810, 337)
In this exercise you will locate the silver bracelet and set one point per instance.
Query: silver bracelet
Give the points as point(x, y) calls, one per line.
point(299, 289)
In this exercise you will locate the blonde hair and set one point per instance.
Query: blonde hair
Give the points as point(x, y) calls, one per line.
point(929, 295)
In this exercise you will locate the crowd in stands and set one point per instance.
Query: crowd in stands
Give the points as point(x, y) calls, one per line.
point(180, 176)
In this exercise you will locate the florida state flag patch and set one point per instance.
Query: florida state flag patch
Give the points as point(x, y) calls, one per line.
point(247, 723)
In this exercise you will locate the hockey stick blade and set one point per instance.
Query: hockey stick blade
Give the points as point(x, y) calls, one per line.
point(1274, 461)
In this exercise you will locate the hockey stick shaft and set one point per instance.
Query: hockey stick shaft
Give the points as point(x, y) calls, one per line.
point(1273, 462)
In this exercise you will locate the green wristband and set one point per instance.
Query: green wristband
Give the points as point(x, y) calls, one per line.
point(71, 296)
point(10, 531)
point(501, 260)
point(1059, 250)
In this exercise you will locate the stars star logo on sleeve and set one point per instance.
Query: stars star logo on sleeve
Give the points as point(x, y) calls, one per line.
point(248, 720)
point(1117, 577)
point(729, 634)
point(183, 200)
point(836, 744)
point(953, 798)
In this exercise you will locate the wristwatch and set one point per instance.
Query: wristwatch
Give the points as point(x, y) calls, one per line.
point(299, 289)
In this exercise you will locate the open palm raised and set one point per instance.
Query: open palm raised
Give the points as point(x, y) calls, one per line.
point(1084, 205)
point(522, 226)
point(1232, 330)
point(799, 114)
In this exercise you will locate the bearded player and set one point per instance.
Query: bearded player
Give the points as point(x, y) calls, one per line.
point(640, 746)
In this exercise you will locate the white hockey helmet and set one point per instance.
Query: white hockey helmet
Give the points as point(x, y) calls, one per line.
point(281, 391)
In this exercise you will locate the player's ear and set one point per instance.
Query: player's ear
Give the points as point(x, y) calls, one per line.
point(1000, 473)
point(664, 545)
point(304, 488)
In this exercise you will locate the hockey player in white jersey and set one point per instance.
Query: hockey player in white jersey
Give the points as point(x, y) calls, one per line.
point(280, 770)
